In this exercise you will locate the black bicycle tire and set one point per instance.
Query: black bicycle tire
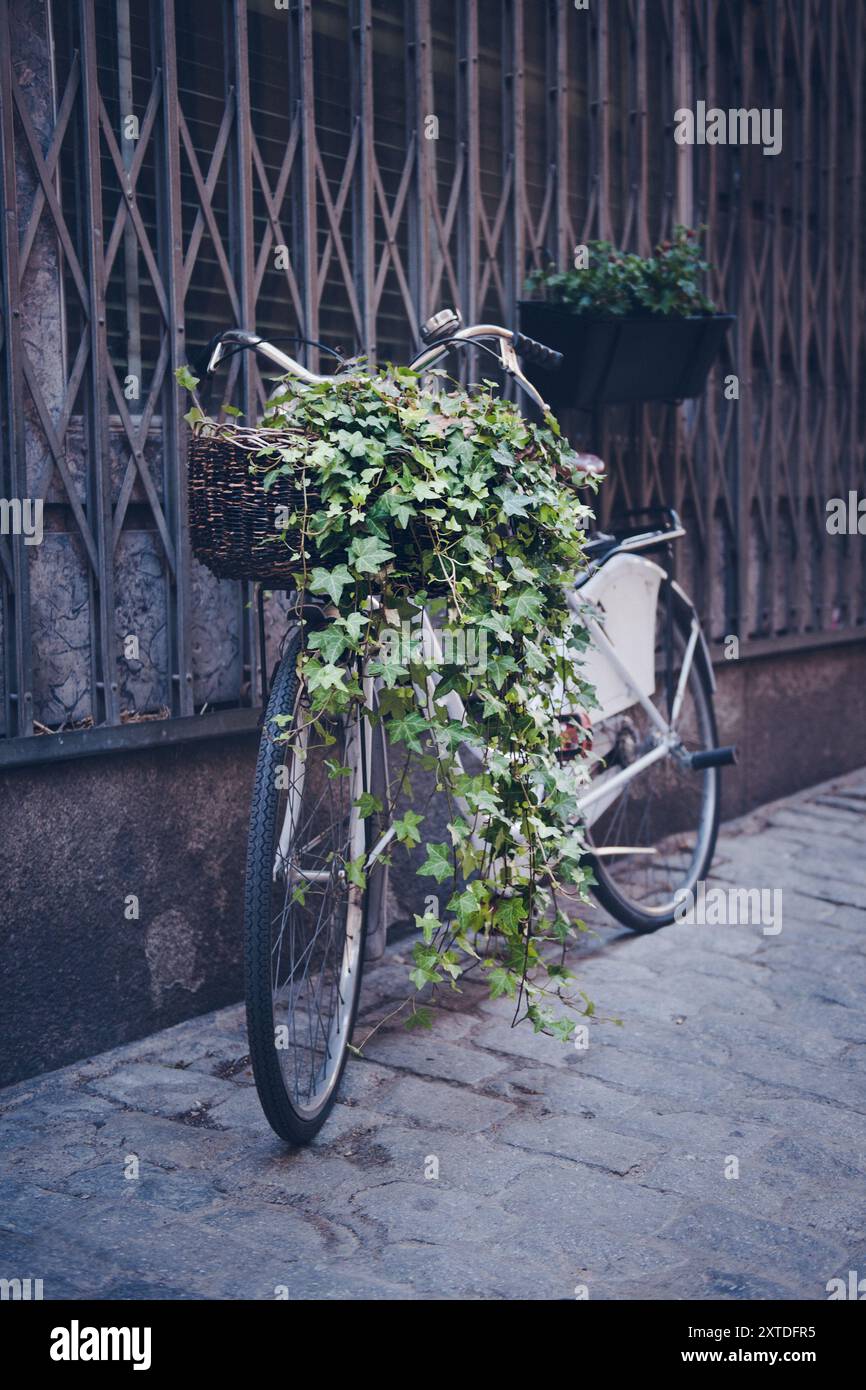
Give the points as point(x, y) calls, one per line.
point(604, 890)
point(281, 1114)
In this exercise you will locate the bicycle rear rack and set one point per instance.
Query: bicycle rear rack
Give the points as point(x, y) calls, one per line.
point(631, 532)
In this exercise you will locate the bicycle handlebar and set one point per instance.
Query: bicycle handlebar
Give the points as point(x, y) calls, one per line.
point(242, 338)
point(510, 343)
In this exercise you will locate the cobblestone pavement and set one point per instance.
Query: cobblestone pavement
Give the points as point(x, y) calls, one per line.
point(606, 1168)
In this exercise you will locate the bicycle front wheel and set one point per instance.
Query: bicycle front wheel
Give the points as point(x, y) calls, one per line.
point(305, 908)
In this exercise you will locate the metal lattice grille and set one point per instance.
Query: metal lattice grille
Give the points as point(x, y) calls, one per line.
point(341, 169)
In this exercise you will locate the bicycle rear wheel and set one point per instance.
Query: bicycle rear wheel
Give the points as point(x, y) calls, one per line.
point(656, 837)
point(305, 917)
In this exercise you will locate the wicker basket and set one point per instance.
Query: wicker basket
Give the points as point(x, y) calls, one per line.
point(232, 517)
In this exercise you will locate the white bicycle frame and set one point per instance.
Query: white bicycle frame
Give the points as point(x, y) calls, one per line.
point(624, 626)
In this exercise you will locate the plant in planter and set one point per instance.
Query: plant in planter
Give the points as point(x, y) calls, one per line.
point(630, 327)
point(398, 500)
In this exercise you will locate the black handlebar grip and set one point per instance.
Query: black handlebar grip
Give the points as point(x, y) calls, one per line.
point(199, 360)
point(545, 357)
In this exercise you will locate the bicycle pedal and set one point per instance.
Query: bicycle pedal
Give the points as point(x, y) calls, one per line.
point(713, 757)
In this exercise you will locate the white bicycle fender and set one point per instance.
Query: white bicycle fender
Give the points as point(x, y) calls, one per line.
point(622, 596)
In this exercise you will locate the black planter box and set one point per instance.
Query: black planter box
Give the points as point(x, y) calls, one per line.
point(612, 361)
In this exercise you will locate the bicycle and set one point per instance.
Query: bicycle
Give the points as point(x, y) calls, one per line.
point(650, 812)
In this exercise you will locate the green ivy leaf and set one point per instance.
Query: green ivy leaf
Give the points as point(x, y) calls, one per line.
point(408, 729)
point(420, 1018)
point(331, 582)
point(438, 863)
point(406, 828)
point(184, 377)
point(330, 641)
point(501, 982)
point(525, 606)
point(355, 871)
point(368, 555)
point(324, 677)
point(428, 925)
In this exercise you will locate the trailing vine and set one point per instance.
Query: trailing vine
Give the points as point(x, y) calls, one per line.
point(455, 503)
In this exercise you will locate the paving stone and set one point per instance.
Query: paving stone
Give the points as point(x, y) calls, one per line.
point(793, 1115)
point(435, 1104)
point(305, 1178)
point(164, 1143)
point(810, 1081)
point(278, 1229)
point(425, 1056)
point(498, 1039)
point(695, 1132)
point(572, 1203)
point(840, 1213)
point(745, 1240)
point(365, 1082)
point(738, 1027)
point(474, 1163)
point(178, 1191)
point(454, 1269)
point(161, 1090)
point(545, 1090)
point(432, 1212)
point(694, 1282)
point(701, 1176)
point(345, 1121)
point(680, 1038)
point(223, 1040)
point(239, 1109)
point(695, 1085)
point(806, 1160)
point(584, 1141)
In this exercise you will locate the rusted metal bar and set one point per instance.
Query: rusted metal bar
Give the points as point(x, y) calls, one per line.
point(683, 97)
point(130, 244)
point(467, 123)
point(419, 109)
point(306, 244)
point(744, 408)
point(556, 62)
point(720, 414)
point(104, 689)
point(174, 426)
point(857, 299)
point(513, 119)
point(241, 201)
point(843, 592)
point(363, 193)
point(642, 133)
point(241, 207)
point(18, 682)
point(603, 127)
point(804, 459)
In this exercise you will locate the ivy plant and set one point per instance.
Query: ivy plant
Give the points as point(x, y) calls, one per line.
point(615, 283)
point(452, 501)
